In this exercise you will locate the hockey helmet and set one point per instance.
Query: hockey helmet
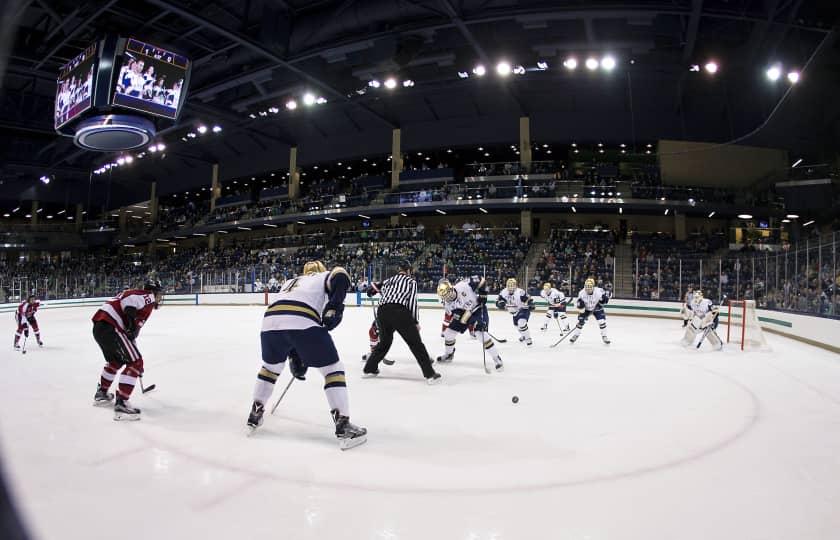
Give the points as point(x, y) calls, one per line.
point(546, 286)
point(154, 286)
point(511, 285)
point(589, 285)
point(31, 298)
point(313, 267)
point(446, 291)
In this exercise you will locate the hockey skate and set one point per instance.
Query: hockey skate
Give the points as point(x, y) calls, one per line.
point(255, 418)
point(40, 343)
point(102, 397)
point(369, 374)
point(544, 327)
point(529, 342)
point(606, 340)
point(384, 360)
point(573, 338)
point(434, 379)
point(499, 365)
point(124, 410)
point(446, 357)
point(349, 435)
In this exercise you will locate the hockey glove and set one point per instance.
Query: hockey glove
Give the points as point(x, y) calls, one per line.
point(332, 316)
point(297, 366)
point(482, 298)
point(481, 323)
point(500, 303)
point(130, 326)
point(531, 305)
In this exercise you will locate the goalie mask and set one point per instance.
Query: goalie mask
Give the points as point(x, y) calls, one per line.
point(511, 285)
point(446, 292)
point(698, 296)
point(313, 267)
point(589, 285)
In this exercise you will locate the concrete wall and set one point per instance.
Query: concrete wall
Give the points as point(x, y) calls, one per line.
point(708, 164)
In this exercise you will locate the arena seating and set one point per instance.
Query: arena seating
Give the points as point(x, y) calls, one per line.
point(579, 253)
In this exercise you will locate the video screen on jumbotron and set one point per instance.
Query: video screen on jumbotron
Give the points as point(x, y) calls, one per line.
point(150, 79)
point(74, 94)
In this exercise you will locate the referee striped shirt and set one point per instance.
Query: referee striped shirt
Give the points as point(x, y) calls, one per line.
point(400, 289)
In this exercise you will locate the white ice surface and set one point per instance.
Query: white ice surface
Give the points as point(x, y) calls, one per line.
point(639, 440)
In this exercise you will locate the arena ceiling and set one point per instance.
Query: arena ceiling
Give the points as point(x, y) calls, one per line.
point(253, 55)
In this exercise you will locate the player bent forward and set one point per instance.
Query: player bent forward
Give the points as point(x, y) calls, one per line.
point(556, 307)
point(25, 317)
point(704, 320)
point(520, 305)
point(590, 301)
point(115, 327)
point(466, 302)
point(298, 323)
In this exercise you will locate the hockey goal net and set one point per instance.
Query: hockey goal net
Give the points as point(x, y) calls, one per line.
point(742, 325)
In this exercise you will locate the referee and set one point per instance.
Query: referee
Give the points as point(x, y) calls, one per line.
point(398, 312)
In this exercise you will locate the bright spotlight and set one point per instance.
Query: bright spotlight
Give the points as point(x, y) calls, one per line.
point(711, 67)
point(694, 67)
point(201, 130)
point(591, 64)
point(374, 83)
point(503, 68)
point(217, 129)
point(309, 99)
point(161, 147)
point(479, 70)
point(291, 104)
point(542, 66)
point(774, 72)
point(519, 70)
point(120, 161)
point(570, 63)
point(408, 83)
point(608, 63)
point(45, 179)
point(191, 135)
point(793, 77)
point(744, 216)
point(321, 100)
point(463, 74)
point(129, 159)
point(390, 83)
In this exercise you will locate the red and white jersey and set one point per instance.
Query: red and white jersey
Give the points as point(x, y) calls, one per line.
point(112, 310)
point(26, 310)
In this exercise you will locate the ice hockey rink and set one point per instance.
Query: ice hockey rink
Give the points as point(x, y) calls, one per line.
point(639, 440)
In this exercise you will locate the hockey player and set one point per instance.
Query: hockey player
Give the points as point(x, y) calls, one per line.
point(447, 315)
point(115, 327)
point(556, 307)
point(373, 331)
point(704, 321)
point(686, 311)
point(520, 305)
point(308, 308)
point(467, 304)
point(590, 301)
point(25, 317)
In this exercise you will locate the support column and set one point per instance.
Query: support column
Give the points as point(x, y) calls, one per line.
point(153, 204)
point(79, 216)
point(121, 220)
point(294, 175)
point(396, 159)
point(395, 220)
point(34, 218)
point(215, 186)
point(679, 227)
point(211, 240)
point(291, 228)
point(527, 223)
point(525, 142)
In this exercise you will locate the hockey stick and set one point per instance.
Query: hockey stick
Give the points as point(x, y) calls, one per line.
point(283, 394)
point(484, 358)
point(559, 341)
point(502, 340)
point(23, 347)
point(146, 389)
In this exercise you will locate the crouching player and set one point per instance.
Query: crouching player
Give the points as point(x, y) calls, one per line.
point(704, 321)
point(467, 303)
point(25, 317)
point(308, 308)
point(520, 305)
point(590, 301)
point(556, 307)
point(115, 327)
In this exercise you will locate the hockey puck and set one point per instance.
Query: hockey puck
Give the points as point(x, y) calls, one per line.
point(515, 399)
point(22, 352)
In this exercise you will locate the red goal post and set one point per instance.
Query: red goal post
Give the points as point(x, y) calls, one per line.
point(743, 316)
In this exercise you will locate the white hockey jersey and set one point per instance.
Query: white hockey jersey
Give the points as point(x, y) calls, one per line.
point(554, 298)
point(701, 308)
point(514, 301)
point(466, 298)
point(299, 303)
point(594, 301)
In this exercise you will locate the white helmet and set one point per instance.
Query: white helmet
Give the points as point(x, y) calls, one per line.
point(511, 285)
point(446, 291)
point(589, 285)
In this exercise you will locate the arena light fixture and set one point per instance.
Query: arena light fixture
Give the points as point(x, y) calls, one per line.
point(364, 216)
point(27, 216)
point(408, 83)
point(798, 161)
point(503, 68)
point(711, 67)
point(439, 211)
point(191, 135)
point(608, 63)
point(712, 213)
point(591, 64)
point(45, 179)
point(61, 212)
point(321, 100)
point(272, 225)
point(463, 74)
point(744, 216)
point(129, 160)
point(774, 72)
point(694, 68)
point(199, 234)
point(330, 219)
point(479, 70)
point(252, 116)
point(785, 221)
point(273, 110)
point(403, 215)
point(667, 210)
point(291, 104)
point(120, 161)
point(808, 223)
point(374, 83)
point(482, 210)
point(570, 63)
point(390, 83)
point(542, 65)
point(792, 216)
point(217, 129)
point(244, 228)
point(519, 70)
point(309, 99)
point(793, 77)
point(202, 129)
point(6, 215)
point(574, 210)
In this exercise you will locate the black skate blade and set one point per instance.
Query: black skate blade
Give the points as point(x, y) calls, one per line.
point(124, 417)
point(104, 403)
point(347, 444)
